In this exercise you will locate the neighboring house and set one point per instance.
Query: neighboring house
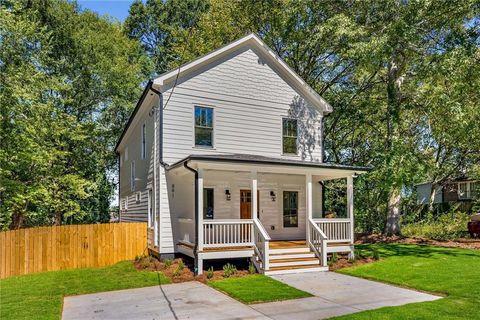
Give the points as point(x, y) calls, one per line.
point(461, 191)
point(223, 158)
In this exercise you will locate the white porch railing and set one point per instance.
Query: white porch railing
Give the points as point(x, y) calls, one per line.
point(262, 243)
point(227, 233)
point(336, 230)
point(317, 240)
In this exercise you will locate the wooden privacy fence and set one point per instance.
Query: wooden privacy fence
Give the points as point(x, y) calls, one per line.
point(71, 246)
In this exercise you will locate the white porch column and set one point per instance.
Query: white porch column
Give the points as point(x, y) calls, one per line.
point(350, 206)
point(309, 205)
point(254, 188)
point(200, 209)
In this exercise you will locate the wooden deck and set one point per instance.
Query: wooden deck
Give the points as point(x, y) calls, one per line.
point(285, 244)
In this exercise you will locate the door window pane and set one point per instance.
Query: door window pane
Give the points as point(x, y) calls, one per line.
point(290, 209)
point(208, 203)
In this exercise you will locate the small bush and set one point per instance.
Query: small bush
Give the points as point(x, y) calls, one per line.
point(376, 254)
point(334, 257)
point(181, 265)
point(448, 226)
point(229, 270)
point(252, 269)
point(210, 273)
point(168, 263)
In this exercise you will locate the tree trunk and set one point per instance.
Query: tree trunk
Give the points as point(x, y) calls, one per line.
point(393, 217)
point(432, 197)
point(18, 219)
point(58, 218)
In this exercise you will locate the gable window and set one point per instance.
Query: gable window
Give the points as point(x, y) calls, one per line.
point(203, 126)
point(289, 136)
point(144, 141)
point(132, 176)
point(208, 203)
point(290, 209)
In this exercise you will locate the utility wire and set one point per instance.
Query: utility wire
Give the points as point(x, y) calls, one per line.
point(181, 61)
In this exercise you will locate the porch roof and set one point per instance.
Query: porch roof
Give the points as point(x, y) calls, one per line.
point(248, 159)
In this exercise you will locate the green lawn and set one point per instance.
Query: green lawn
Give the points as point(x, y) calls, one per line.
point(257, 288)
point(40, 295)
point(451, 272)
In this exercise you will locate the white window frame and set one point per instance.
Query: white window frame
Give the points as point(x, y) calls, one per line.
point(466, 192)
point(143, 141)
point(138, 197)
point(214, 120)
point(132, 176)
point(281, 137)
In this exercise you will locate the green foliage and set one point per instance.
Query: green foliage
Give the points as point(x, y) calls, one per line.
point(376, 254)
point(168, 263)
point(229, 270)
point(252, 269)
point(40, 295)
point(450, 272)
point(449, 226)
point(210, 273)
point(257, 288)
point(69, 81)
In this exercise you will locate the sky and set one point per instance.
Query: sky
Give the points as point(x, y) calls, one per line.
point(115, 8)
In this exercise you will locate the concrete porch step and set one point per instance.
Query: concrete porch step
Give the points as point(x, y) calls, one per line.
point(295, 269)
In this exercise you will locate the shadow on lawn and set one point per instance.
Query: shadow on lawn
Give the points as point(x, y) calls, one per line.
point(424, 251)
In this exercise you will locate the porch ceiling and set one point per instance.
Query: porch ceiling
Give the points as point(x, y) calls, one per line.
point(245, 162)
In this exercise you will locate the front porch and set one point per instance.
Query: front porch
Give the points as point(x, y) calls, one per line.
point(273, 214)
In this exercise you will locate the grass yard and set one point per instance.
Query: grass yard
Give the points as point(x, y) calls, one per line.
point(40, 295)
point(257, 288)
point(451, 272)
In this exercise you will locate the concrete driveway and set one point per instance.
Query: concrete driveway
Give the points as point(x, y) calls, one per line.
point(335, 294)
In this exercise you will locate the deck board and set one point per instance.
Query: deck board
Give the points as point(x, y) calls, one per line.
point(284, 244)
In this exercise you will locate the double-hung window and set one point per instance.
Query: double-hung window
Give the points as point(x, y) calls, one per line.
point(203, 126)
point(132, 176)
point(290, 209)
point(144, 142)
point(289, 136)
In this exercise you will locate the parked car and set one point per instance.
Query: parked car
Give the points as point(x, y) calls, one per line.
point(474, 225)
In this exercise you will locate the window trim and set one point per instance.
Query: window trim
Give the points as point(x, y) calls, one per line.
point(132, 176)
point(143, 141)
point(283, 136)
point(283, 208)
point(194, 145)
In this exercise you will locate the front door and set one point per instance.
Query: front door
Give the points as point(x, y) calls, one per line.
point(246, 204)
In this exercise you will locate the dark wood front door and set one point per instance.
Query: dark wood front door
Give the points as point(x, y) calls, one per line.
point(246, 204)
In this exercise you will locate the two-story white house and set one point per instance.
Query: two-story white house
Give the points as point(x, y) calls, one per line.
point(223, 158)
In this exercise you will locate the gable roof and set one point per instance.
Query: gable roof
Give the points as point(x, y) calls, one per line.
point(166, 80)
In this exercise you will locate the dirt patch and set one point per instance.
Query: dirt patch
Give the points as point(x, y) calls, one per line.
point(380, 238)
point(177, 271)
point(344, 262)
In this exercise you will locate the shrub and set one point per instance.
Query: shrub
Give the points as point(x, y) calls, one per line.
point(448, 226)
point(229, 270)
point(252, 269)
point(168, 263)
point(181, 265)
point(210, 273)
point(376, 254)
point(334, 257)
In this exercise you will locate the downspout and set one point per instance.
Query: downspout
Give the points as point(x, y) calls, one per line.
point(195, 199)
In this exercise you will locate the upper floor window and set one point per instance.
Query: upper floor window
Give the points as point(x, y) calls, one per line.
point(132, 176)
point(289, 136)
point(144, 142)
point(203, 126)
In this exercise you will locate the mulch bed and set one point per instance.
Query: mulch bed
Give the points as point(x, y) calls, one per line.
point(153, 264)
point(343, 262)
point(380, 238)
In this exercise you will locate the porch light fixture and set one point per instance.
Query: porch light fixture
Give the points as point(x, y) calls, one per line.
point(228, 196)
point(273, 195)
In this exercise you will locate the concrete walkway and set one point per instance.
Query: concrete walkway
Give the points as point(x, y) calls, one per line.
point(335, 294)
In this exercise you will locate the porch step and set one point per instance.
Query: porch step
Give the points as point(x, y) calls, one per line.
point(294, 262)
point(295, 269)
point(296, 250)
point(291, 255)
